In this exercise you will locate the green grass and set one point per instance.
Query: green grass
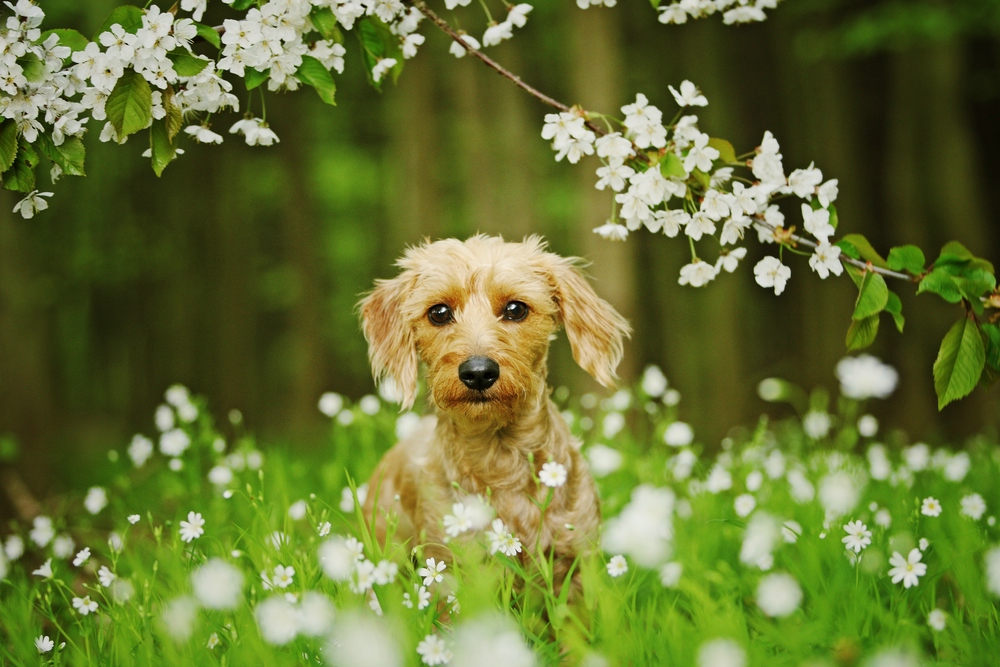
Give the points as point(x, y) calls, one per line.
point(850, 612)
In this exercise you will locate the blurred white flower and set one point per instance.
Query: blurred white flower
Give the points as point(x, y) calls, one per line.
point(363, 641)
point(13, 548)
point(330, 404)
point(406, 425)
point(44, 571)
point(992, 562)
point(315, 614)
point(82, 557)
point(220, 475)
point(433, 650)
point(719, 479)
point(937, 619)
point(174, 442)
point(678, 434)
point(759, 539)
point(864, 377)
point(140, 449)
point(178, 617)
point(644, 528)
point(721, 653)
point(754, 481)
point(883, 518)
point(43, 644)
point(297, 510)
point(973, 506)
point(106, 576)
point(790, 531)
point(779, 594)
point(617, 566)
point(164, 418)
point(369, 404)
point(671, 397)
point(917, 456)
point(745, 504)
point(336, 559)
point(957, 467)
point(839, 493)
point(868, 426)
point(490, 640)
point(278, 620)
point(923, 544)
point(603, 460)
point(96, 500)
point(217, 584)
point(670, 574)
point(613, 423)
point(816, 424)
point(654, 382)
point(347, 497)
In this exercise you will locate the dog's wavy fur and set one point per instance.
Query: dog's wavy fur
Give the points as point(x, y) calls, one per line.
point(480, 442)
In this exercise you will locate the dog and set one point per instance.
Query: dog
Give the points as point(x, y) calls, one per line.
point(481, 314)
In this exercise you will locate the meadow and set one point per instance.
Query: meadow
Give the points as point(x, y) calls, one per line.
point(821, 538)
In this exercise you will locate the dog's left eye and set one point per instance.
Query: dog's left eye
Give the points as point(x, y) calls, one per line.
point(439, 315)
point(515, 311)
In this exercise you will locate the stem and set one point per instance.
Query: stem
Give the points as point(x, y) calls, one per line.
point(531, 90)
point(865, 266)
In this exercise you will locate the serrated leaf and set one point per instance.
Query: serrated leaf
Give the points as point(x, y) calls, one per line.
point(208, 33)
point(895, 308)
point(865, 250)
point(872, 297)
point(326, 23)
point(862, 333)
point(726, 151)
point(161, 147)
point(67, 37)
point(959, 362)
point(21, 176)
point(69, 155)
point(130, 105)
point(8, 144)
point(907, 258)
point(186, 64)
point(671, 166)
point(992, 335)
point(941, 283)
point(316, 75)
point(254, 77)
point(127, 16)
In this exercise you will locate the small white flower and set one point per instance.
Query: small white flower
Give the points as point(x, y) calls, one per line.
point(930, 507)
point(858, 536)
point(202, 134)
point(883, 518)
point(324, 529)
point(721, 653)
point(283, 576)
point(670, 574)
point(106, 576)
point(43, 644)
point(381, 67)
point(803, 182)
point(973, 506)
point(779, 594)
point(826, 260)
point(827, 193)
point(385, 572)
point(458, 50)
point(817, 223)
point(697, 274)
point(140, 449)
point(14, 547)
point(278, 620)
point(134, 518)
point(937, 620)
point(923, 544)
point(82, 557)
point(32, 203)
point(865, 377)
point(433, 651)
point(689, 95)
point(84, 605)
point(770, 272)
point(433, 572)
point(617, 566)
point(45, 571)
point(909, 569)
point(193, 528)
point(96, 500)
point(745, 504)
point(552, 474)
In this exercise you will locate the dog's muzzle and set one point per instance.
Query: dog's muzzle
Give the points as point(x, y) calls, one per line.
point(478, 372)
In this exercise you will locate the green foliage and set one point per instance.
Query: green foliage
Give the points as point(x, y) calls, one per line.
point(209, 34)
point(316, 75)
point(960, 362)
point(21, 176)
point(186, 64)
point(127, 16)
point(872, 297)
point(727, 154)
point(161, 146)
point(326, 23)
point(8, 144)
point(377, 42)
point(862, 333)
point(69, 155)
point(130, 105)
point(255, 77)
point(67, 37)
point(672, 166)
point(857, 246)
point(906, 258)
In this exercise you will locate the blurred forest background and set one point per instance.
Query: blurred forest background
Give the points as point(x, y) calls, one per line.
point(237, 273)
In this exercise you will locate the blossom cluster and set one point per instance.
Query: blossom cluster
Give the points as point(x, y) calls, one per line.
point(672, 178)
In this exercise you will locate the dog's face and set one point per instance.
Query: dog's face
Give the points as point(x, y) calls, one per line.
point(480, 314)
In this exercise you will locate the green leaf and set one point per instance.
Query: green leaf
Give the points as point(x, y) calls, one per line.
point(161, 147)
point(326, 23)
point(834, 218)
point(672, 166)
point(976, 283)
point(848, 249)
point(953, 251)
point(8, 144)
point(959, 362)
point(872, 297)
point(655, 3)
point(865, 250)
point(862, 333)
point(208, 33)
point(726, 151)
point(34, 68)
point(907, 258)
point(69, 155)
point(941, 283)
point(254, 77)
point(243, 4)
point(992, 335)
point(21, 176)
point(186, 64)
point(312, 72)
point(377, 41)
point(174, 118)
point(127, 16)
point(895, 308)
point(71, 38)
point(130, 105)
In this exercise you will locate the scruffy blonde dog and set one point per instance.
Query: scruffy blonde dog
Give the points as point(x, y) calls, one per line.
point(480, 314)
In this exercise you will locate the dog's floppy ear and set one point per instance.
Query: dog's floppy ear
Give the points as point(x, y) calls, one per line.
point(595, 329)
point(391, 348)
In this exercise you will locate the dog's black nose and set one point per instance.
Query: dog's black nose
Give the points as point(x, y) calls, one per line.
point(478, 373)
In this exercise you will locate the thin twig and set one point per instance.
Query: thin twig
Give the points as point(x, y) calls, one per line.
point(500, 69)
point(865, 266)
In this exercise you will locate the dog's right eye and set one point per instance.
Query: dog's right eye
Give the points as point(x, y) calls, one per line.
point(439, 315)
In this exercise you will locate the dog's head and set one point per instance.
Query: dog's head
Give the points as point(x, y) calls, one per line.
point(480, 314)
